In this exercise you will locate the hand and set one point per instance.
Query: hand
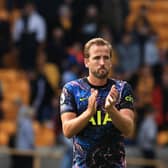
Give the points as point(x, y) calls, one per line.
point(111, 98)
point(92, 102)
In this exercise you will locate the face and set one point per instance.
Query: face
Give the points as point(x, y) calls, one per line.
point(99, 62)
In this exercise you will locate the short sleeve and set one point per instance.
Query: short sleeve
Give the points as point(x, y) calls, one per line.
point(127, 97)
point(67, 100)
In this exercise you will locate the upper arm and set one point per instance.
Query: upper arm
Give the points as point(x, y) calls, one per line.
point(67, 102)
point(67, 116)
point(127, 98)
point(66, 125)
point(127, 102)
point(41, 35)
point(129, 113)
point(17, 28)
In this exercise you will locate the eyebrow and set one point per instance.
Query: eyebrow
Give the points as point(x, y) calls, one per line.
point(101, 56)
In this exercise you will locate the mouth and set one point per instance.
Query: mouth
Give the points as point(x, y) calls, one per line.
point(102, 70)
point(101, 73)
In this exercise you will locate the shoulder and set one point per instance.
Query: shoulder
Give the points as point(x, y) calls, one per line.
point(74, 86)
point(123, 87)
point(75, 83)
point(37, 17)
point(19, 22)
point(120, 84)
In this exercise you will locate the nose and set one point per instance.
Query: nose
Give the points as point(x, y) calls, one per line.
point(102, 61)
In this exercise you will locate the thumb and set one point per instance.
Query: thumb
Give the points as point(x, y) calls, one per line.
point(94, 92)
point(112, 88)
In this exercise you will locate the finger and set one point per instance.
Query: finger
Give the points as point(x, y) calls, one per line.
point(111, 99)
point(94, 92)
point(113, 90)
point(113, 87)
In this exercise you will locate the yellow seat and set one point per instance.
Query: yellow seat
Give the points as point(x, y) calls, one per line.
point(157, 14)
point(9, 127)
point(4, 15)
point(14, 86)
point(53, 75)
point(4, 139)
point(44, 137)
point(162, 138)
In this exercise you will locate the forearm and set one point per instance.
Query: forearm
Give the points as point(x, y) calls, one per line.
point(74, 126)
point(123, 122)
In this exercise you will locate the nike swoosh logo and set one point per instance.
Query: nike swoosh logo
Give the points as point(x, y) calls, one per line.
point(82, 99)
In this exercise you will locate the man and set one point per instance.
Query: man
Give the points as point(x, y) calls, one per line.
point(147, 134)
point(29, 35)
point(97, 111)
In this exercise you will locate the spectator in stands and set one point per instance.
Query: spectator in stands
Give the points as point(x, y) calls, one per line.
point(151, 51)
point(29, 34)
point(25, 138)
point(55, 48)
point(141, 30)
point(90, 24)
point(5, 35)
point(147, 134)
point(128, 55)
point(160, 97)
point(41, 91)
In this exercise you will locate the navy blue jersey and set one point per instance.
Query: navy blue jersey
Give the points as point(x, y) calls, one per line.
point(100, 143)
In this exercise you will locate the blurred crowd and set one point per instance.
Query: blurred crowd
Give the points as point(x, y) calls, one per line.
point(45, 40)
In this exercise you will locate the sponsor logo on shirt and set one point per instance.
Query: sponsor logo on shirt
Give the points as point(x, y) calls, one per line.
point(129, 98)
point(99, 120)
point(83, 98)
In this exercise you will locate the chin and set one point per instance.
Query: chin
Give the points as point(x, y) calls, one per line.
point(102, 76)
point(99, 75)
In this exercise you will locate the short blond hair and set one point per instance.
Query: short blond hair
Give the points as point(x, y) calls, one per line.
point(96, 41)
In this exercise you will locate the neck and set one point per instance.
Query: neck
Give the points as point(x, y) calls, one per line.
point(96, 81)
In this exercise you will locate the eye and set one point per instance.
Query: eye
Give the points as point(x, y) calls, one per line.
point(96, 58)
point(106, 57)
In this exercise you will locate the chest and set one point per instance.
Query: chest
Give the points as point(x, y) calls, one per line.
point(82, 98)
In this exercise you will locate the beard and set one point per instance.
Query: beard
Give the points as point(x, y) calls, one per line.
point(101, 73)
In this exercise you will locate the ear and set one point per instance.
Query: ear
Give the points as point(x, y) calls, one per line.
point(86, 62)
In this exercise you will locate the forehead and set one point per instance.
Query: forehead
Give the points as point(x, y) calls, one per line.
point(99, 49)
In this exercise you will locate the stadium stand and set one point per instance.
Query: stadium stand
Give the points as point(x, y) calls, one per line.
point(157, 16)
point(15, 83)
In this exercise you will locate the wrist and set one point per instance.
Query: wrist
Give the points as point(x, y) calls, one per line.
point(87, 114)
point(111, 109)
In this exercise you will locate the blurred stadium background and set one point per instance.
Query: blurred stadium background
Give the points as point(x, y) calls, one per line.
point(41, 49)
